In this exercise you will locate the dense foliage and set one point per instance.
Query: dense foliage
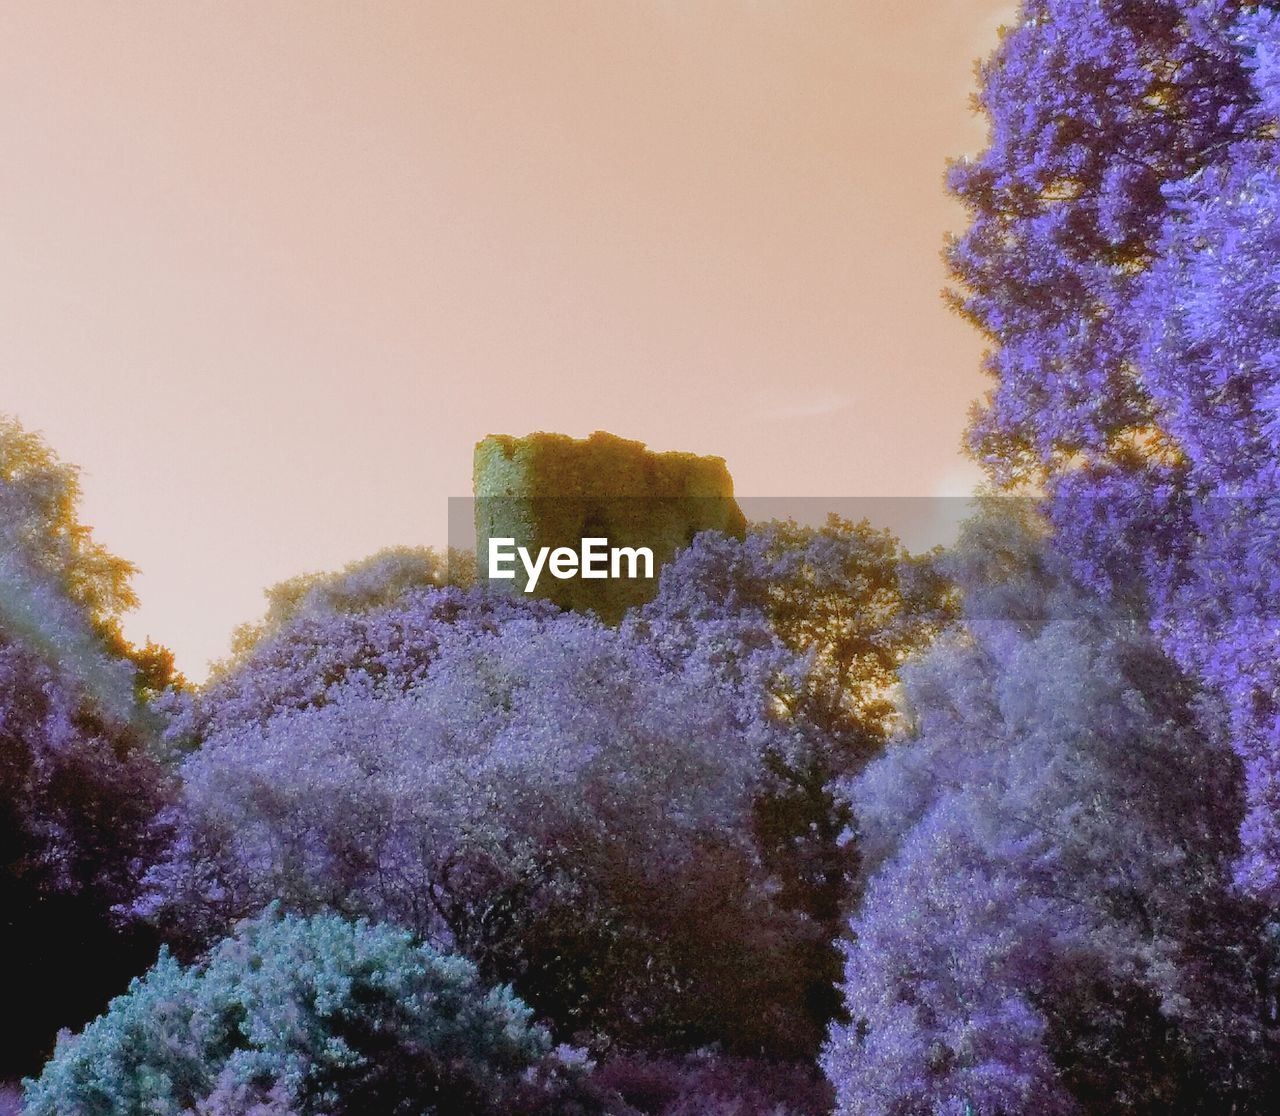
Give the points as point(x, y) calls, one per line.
point(847, 606)
point(1050, 926)
point(1123, 261)
point(548, 799)
point(301, 1017)
point(78, 786)
point(39, 519)
point(487, 770)
point(321, 653)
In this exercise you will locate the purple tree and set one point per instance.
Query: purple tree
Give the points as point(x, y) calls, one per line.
point(320, 651)
point(1050, 925)
point(78, 785)
point(819, 620)
point(1094, 108)
point(545, 794)
point(1122, 258)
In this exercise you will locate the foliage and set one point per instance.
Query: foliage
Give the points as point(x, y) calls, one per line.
point(547, 797)
point(1122, 260)
point(831, 613)
point(39, 498)
point(78, 786)
point(299, 1016)
point(44, 542)
point(850, 606)
point(846, 595)
point(367, 584)
point(706, 1084)
point(321, 654)
point(1050, 926)
point(1094, 108)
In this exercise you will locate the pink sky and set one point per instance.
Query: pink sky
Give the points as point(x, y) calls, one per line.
point(269, 270)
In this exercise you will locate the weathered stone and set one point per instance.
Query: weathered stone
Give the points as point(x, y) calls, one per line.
point(550, 490)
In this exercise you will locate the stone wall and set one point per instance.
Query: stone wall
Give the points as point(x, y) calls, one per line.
point(552, 490)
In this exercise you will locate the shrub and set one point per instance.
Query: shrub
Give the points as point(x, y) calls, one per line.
point(299, 1016)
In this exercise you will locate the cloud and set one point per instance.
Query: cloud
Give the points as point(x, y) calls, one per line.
point(791, 406)
point(962, 480)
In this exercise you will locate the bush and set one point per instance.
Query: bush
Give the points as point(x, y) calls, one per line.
point(301, 1016)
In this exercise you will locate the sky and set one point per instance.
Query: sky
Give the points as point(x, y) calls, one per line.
point(269, 270)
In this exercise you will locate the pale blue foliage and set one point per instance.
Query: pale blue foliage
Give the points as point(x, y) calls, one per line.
point(299, 1016)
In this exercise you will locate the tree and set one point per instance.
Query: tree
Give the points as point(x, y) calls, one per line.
point(820, 619)
point(1094, 109)
point(1050, 925)
point(829, 615)
point(1121, 259)
point(546, 796)
point(365, 585)
point(78, 783)
point(318, 653)
point(39, 504)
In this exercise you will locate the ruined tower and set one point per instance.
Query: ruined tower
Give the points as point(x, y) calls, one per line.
point(550, 490)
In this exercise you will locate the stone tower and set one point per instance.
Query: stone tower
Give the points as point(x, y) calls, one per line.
point(550, 490)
